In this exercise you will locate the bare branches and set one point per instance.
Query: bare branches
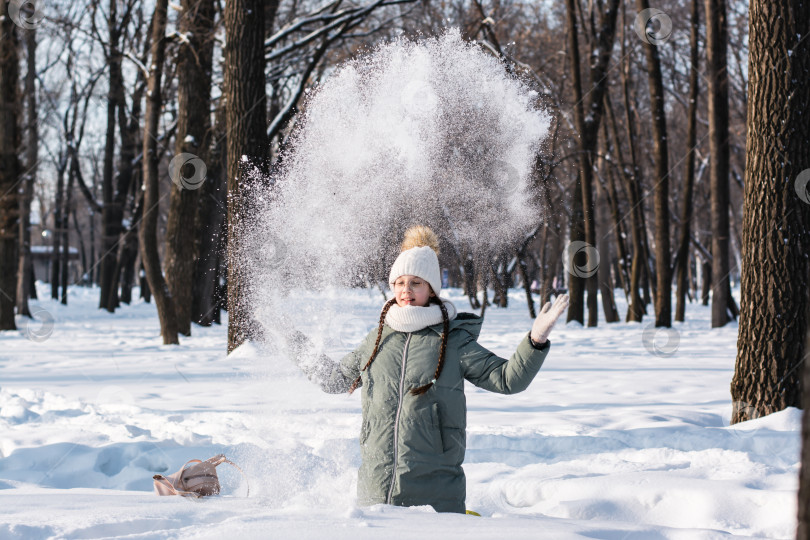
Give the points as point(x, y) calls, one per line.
point(295, 51)
point(288, 110)
point(329, 21)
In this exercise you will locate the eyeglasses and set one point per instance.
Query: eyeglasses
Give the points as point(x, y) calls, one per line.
point(413, 285)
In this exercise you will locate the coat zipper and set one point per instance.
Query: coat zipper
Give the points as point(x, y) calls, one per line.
point(396, 419)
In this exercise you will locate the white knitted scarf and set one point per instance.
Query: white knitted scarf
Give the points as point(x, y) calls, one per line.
point(414, 318)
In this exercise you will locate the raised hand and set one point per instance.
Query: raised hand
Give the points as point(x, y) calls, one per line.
point(548, 316)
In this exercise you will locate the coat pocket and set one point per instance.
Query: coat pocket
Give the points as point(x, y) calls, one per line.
point(436, 421)
point(450, 441)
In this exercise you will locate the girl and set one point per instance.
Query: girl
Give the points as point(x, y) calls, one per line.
point(412, 370)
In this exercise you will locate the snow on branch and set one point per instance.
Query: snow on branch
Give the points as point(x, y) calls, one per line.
point(328, 21)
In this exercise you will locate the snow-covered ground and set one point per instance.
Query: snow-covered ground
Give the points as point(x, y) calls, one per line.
point(623, 435)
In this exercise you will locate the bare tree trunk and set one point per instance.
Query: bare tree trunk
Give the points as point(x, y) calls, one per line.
point(582, 218)
point(127, 251)
point(82, 249)
point(115, 299)
point(246, 108)
point(648, 263)
point(689, 168)
point(210, 218)
point(635, 307)
point(128, 255)
point(128, 179)
point(499, 283)
point(612, 195)
point(95, 267)
point(693, 273)
point(111, 212)
point(576, 284)
point(706, 280)
point(124, 178)
point(733, 309)
point(151, 196)
point(524, 276)
point(483, 284)
point(716, 61)
point(775, 308)
point(9, 166)
point(603, 247)
point(195, 58)
point(146, 292)
point(663, 289)
point(551, 255)
point(25, 266)
point(469, 282)
point(600, 58)
point(221, 286)
point(507, 275)
point(56, 248)
point(64, 265)
point(547, 286)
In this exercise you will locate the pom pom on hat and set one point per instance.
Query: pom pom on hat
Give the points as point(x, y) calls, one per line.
point(419, 257)
point(418, 236)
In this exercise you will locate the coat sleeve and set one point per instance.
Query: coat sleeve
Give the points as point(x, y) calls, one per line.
point(336, 377)
point(489, 371)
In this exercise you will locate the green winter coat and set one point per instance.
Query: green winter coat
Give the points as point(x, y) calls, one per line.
point(412, 447)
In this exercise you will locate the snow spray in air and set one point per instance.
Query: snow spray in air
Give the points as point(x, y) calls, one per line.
point(432, 132)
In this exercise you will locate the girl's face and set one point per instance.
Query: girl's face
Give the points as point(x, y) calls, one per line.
point(412, 291)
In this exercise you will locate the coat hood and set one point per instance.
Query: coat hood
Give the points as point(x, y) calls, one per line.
point(469, 322)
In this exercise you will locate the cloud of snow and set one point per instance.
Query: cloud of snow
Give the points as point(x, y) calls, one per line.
point(433, 131)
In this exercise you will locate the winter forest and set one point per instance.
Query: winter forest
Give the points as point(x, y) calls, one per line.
point(203, 204)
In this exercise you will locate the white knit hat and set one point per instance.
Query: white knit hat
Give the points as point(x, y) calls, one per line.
point(421, 262)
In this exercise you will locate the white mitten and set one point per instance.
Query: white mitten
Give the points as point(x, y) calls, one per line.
point(548, 316)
